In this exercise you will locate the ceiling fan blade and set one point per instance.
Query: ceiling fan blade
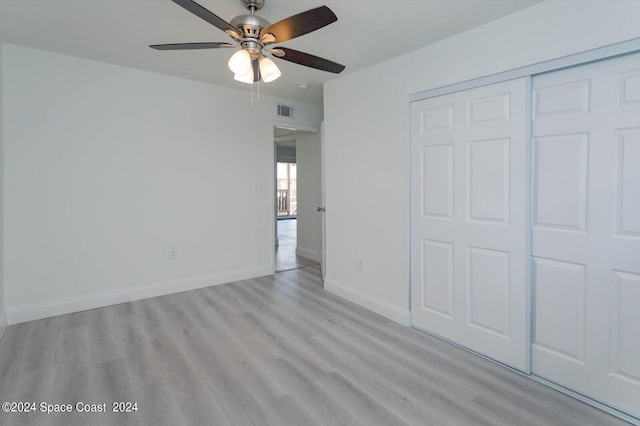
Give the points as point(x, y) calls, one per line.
point(299, 24)
point(209, 16)
point(189, 46)
point(308, 60)
point(256, 70)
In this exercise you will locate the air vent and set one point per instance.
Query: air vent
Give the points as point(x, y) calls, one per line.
point(285, 111)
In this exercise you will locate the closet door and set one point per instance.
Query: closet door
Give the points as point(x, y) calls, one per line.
point(468, 275)
point(586, 230)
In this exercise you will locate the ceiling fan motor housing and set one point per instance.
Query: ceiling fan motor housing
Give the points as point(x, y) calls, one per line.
point(250, 25)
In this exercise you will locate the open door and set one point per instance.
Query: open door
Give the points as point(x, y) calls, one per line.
point(322, 209)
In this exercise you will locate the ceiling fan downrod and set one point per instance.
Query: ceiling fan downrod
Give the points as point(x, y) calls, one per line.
point(253, 5)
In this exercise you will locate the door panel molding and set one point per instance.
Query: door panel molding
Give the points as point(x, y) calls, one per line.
point(469, 218)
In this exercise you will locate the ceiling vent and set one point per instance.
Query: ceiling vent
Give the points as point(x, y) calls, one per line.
point(285, 111)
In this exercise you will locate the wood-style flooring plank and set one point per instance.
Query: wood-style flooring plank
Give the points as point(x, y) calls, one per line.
point(275, 350)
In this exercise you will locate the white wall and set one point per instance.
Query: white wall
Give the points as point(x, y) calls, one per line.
point(367, 133)
point(308, 157)
point(3, 317)
point(108, 168)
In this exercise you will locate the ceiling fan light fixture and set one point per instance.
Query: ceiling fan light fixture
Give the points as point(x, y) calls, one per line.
point(269, 70)
point(244, 78)
point(240, 62)
point(253, 34)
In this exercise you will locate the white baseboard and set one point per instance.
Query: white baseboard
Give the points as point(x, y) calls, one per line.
point(378, 306)
point(99, 300)
point(3, 323)
point(308, 254)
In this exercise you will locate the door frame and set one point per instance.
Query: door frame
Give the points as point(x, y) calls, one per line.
point(273, 216)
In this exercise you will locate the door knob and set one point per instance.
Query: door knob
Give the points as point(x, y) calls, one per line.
point(321, 209)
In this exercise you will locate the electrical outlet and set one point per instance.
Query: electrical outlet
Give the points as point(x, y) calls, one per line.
point(360, 264)
point(173, 254)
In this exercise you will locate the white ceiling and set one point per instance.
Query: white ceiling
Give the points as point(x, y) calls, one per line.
point(119, 32)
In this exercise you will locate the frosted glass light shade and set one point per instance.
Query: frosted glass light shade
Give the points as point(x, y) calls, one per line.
point(268, 70)
point(240, 62)
point(245, 78)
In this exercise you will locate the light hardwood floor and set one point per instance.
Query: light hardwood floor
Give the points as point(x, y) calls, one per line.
point(286, 257)
point(277, 350)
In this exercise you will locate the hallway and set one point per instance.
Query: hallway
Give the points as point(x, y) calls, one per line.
point(286, 258)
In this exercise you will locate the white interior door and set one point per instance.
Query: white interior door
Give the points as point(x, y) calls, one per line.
point(469, 220)
point(323, 221)
point(586, 230)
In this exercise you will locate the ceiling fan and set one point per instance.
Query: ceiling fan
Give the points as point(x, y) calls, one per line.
point(254, 36)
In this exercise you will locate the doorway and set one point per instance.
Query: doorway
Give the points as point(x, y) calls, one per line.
point(286, 177)
point(297, 196)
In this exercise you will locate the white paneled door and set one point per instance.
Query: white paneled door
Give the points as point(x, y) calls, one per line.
point(586, 230)
point(469, 197)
